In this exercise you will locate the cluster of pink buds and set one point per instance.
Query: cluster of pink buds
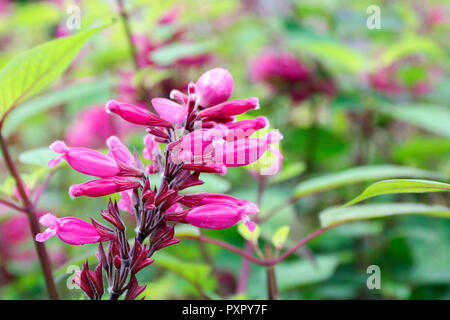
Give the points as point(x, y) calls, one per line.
point(201, 135)
point(282, 72)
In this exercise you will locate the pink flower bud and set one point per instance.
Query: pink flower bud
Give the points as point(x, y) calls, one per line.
point(85, 160)
point(215, 216)
point(199, 199)
point(69, 229)
point(135, 114)
point(119, 151)
point(169, 110)
point(230, 108)
point(213, 87)
point(103, 187)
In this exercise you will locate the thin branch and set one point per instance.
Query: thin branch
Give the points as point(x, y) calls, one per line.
point(32, 218)
point(261, 262)
point(12, 205)
point(126, 24)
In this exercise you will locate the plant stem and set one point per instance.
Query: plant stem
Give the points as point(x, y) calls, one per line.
point(32, 219)
point(246, 265)
point(123, 13)
point(244, 273)
point(272, 286)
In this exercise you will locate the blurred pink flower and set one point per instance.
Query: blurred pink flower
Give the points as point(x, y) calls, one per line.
point(4, 6)
point(384, 80)
point(93, 126)
point(282, 72)
point(437, 15)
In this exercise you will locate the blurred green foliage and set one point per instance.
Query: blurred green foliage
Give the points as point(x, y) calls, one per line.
point(402, 136)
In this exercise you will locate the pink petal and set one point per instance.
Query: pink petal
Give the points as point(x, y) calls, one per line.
point(169, 110)
point(47, 234)
point(49, 220)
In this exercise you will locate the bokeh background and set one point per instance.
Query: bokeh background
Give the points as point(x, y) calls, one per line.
point(342, 95)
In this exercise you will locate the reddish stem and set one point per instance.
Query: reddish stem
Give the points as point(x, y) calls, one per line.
point(32, 219)
point(261, 262)
point(11, 205)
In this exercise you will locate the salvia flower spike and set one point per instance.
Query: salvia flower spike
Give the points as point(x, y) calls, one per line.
point(200, 136)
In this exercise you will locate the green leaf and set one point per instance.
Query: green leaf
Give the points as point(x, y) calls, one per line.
point(433, 118)
point(359, 174)
point(288, 171)
point(411, 45)
point(39, 157)
point(300, 273)
point(280, 236)
point(336, 55)
point(400, 186)
point(74, 92)
point(186, 230)
point(33, 70)
point(213, 184)
point(169, 54)
point(193, 272)
point(335, 215)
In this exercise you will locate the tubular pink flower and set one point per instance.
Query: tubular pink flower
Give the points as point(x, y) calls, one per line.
point(119, 151)
point(199, 199)
point(213, 87)
point(230, 108)
point(69, 229)
point(244, 151)
point(85, 160)
point(135, 114)
point(216, 216)
point(169, 110)
point(103, 187)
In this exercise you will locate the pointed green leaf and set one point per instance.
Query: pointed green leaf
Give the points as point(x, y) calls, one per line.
point(280, 236)
point(291, 275)
point(55, 98)
point(434, 118)
point(336, 215)
point(33, 70)
point(400, 186)
point(39, 157)
point(247, 234)
point(360, 174)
